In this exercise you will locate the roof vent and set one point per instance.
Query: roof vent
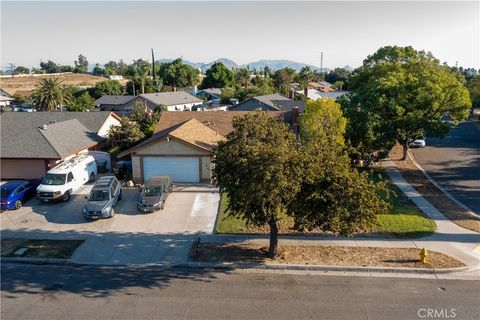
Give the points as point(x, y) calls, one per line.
point(53, 121)
point(43, 127)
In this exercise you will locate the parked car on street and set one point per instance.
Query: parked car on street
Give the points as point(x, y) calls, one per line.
point(419, 142)
point(102, 199)
point(154, 193)
point(27, 108)
point(15, 193)
point(62, 180)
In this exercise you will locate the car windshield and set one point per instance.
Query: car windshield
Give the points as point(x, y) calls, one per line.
point(54, 179)
point(152, 191)
point(7, 190)
point(99, 195)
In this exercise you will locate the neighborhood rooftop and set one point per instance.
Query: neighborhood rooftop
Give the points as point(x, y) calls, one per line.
point(113, 100)
point(170, 98)
point(65, 133)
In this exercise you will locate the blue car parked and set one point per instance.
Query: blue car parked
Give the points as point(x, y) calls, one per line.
point(15, 193)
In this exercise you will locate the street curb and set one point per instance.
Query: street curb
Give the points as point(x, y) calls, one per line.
point(439, 187)
point(300, 267)
point(41, 261)
point(252, 266)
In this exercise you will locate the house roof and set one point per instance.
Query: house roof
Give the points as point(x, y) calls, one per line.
point(67, 132)
point(113, 100)
point(316, 94)
point(200, 128)
point(212, 91)
point(322, 86)
point(5, 93)
point(197, 134)
point(170, 98)
point(275, 102)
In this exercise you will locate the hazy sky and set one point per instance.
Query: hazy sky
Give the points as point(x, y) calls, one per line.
point(204, 31)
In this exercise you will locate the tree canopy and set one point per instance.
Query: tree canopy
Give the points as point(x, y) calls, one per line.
point(178, 74)
point(256, 167)
point(48, 95)
point(218, 76)
point(107, 87)
point(399, 93)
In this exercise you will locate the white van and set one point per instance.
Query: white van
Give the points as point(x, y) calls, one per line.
point(68, 176)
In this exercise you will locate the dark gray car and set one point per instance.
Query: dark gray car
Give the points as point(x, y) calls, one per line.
point(154, 193)
point(102, 199)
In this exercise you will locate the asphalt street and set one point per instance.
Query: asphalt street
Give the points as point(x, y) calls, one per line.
point(454, 162)
point(67, 292)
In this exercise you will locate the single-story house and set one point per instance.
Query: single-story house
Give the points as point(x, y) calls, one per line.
point(121, 105)
point(124, 105)
point(5, 98)
point(270, 102)
point(183, 144)
point(322, 86)
point(32, 143)
point(175, 101)
point(315, 94)
point(209, 94)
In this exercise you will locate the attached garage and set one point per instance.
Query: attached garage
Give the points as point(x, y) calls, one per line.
point(182, 152)
point(180, 169)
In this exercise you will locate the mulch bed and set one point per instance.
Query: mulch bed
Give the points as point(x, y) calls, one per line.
point(322, 255)
point(429, 191)
point(53, 249)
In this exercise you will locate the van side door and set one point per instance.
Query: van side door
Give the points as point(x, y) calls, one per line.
point(71, 183)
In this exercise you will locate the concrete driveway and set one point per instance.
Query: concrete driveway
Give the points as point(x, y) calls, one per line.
point(454, 162)
point(129, 237)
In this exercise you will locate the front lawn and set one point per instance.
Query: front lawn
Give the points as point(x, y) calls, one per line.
point(404, 220)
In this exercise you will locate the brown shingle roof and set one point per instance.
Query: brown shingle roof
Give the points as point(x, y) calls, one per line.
point(197, 134)
point(207, 129)
point(218, 121)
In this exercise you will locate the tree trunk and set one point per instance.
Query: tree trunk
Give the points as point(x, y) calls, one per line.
point(405, 150)
point(143, 87)
point(272, 250)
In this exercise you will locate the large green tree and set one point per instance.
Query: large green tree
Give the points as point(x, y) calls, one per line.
point(257, 167)
point(218, 76)
point(333, 197)
point(106, 87)
point(123, 136)
point(81, 64)
point(398, 93)
point(283, 78)
point(82, 103)
point(177, 74)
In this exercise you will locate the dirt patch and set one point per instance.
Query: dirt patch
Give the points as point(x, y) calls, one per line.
point(54, 249)
point(429, 191)
point(25, 85)
point(323, 255)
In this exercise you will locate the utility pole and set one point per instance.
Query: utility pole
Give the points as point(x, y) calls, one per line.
point(153, 66)
point(321, 66)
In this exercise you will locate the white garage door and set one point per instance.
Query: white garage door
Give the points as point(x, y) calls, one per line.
point(180, 169)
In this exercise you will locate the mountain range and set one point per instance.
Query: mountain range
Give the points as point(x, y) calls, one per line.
point(256, 65)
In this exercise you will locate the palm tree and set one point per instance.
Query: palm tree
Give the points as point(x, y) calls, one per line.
point(48, 95)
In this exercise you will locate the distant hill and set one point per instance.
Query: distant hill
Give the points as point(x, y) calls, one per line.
point(280, 64)
point(258, 65)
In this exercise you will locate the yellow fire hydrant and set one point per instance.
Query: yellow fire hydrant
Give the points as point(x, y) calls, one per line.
point(423, 255)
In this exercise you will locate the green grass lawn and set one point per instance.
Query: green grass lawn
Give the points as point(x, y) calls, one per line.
point(404, 220)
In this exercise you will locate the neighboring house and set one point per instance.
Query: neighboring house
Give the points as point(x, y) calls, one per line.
point(209, 94)
point(5, 98)
point(270, 102)
point(182, 145)
point(121, 105)
point(175, 101)
point(32, 143)
point(124, 105)
point(316, 94)
point(322, 86)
